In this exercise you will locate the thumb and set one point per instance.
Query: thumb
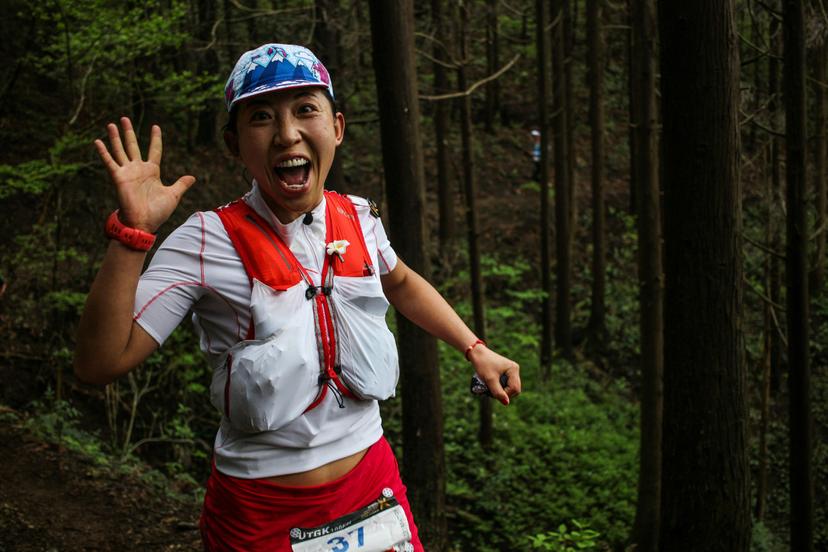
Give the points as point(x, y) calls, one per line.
point(183, 184)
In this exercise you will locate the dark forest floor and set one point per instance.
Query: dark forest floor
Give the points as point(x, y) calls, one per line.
point(56, 499)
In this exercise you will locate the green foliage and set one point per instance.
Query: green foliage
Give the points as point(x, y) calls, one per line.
point(763, 540)
point(565, 540)
point(183, 92)
point(178, 424)
point(622, 289)
point(36, 176)
point(66, 302)
point(565, 449)
point(557, 455)
point(32, 177)
point(59, 422)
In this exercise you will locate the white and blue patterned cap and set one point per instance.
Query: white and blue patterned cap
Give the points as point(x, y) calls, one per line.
point(274, 67)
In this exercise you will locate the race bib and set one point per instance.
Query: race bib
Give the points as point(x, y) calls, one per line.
point(378, 527)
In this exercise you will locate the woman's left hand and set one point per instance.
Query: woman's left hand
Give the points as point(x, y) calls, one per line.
point(490, 366)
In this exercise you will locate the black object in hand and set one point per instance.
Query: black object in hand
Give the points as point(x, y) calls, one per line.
point(479, 387)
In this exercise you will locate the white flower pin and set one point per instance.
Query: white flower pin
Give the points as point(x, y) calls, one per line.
point(338, 248)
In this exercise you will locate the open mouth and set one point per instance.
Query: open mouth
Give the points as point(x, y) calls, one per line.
point(293, 172)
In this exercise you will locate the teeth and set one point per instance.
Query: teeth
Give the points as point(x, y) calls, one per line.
point(295, 162)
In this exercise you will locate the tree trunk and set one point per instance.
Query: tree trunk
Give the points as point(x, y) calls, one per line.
point(563, 243)
point(818, 268)
point(765, 364)
point(650, 279)
point(774, 115)
point(705, 477)
point(796, 280)
point(470, 191)
point(445, 191)
point(392, 37)
point(633, 106)
point(326, 47)
point(207, 64)
point(568, 48)
point(492, 62)
point(545, 226)
point(595, 38)
point(230, 52)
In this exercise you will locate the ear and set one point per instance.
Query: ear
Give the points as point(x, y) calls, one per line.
point(231, 140)
point(339, 127)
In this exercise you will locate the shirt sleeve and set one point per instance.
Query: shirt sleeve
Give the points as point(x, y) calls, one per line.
point(173, 282)
point(374, 233)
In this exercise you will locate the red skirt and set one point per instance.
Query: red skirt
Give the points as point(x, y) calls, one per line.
point(252, 514)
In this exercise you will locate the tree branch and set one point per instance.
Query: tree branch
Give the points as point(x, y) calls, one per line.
point(474, 86)
point(764, 248)
point(446, 64)
point(172, 440)
point(763, 127)
point(762, 296)
point(82, 91)
point(818, 231)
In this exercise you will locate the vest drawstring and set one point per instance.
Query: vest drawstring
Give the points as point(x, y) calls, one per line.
point(325, 379)
point(337, 394)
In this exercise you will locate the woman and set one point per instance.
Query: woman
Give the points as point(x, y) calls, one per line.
point(288, 289)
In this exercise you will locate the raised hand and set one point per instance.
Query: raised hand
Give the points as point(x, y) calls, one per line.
point(144, 201)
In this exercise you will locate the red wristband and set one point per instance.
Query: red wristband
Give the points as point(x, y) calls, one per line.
point(130, 237)
point(471, 347)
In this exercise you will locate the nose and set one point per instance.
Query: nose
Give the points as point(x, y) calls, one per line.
point(287, 133)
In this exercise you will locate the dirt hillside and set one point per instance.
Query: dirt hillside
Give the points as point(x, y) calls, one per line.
point(56, 500)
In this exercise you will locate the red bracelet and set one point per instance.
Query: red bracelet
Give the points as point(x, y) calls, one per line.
point(130, 237)
point(471, 347)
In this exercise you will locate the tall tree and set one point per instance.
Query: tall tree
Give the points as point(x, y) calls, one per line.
point(595, 39)
point(796, 280)
point(392, 38)
point(445, 191)
point(770, 335)
point(569, 13)
point(819, 56)
point(705, 478)
point(650, 280)
point(470, 192)
point(492, 62)
point(633, 104)
point(563, 242)
point(545, 226)
point(207, 63)
point(768, 331)
point(326, 44)
point(775, 117)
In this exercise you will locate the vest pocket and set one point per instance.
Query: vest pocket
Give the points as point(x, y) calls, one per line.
point(367, 350)
point(264, 384)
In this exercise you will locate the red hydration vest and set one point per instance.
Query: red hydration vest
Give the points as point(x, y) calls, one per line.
point(268, 259)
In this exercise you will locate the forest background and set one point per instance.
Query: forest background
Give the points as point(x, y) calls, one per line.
point(560, 467)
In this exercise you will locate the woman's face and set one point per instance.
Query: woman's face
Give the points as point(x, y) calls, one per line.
point(287, 140)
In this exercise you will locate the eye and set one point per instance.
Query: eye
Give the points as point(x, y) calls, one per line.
point(307, 108)
point(260, 115)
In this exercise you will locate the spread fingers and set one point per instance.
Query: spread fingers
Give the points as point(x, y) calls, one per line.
point(108, 162)
point(155, 146)
point(116, 145)
point(130, 140)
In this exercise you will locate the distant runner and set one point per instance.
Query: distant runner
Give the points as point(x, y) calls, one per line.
point(536, 154)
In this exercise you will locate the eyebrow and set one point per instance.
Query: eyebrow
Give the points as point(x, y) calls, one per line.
point(257, 102)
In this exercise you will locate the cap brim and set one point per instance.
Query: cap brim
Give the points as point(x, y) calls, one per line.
point(285, 86)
